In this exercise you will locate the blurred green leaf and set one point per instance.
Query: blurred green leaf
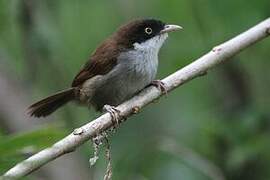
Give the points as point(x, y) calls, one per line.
point(35, 140)
point(15, 148)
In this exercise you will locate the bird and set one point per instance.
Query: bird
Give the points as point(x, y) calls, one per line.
point(120, 67)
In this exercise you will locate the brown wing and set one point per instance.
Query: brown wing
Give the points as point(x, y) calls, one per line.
point(101, 62)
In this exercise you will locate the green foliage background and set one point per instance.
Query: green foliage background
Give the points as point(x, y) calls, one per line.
point(223, 118)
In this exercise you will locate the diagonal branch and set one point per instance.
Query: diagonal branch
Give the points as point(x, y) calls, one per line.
point(199, 67)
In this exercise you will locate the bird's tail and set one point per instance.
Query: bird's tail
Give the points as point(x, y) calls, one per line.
point(50, 104)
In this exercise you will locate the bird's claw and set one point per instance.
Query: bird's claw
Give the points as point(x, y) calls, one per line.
point(160, 85)
point(115, 114)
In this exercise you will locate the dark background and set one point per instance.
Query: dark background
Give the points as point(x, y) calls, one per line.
point(214, 127)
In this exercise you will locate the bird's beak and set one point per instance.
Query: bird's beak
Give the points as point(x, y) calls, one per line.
point(170, 28)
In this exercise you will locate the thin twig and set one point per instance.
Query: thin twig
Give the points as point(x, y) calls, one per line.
point(68, 144)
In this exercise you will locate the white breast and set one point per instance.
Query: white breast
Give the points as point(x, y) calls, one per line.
point(143, 59)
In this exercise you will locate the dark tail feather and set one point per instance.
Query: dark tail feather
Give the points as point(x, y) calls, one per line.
point(52, 103)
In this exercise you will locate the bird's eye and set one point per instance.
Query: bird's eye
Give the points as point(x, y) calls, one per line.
point(148, 30)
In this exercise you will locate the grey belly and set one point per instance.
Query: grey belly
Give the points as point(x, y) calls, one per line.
point(120, 87)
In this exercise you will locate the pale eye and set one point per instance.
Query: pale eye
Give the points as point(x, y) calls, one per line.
point(148, 30)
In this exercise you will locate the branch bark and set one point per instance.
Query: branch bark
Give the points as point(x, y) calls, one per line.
point(199, 67)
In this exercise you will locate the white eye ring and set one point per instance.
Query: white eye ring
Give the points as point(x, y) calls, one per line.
point(148, 30)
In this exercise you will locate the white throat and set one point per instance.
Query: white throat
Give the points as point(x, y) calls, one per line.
point(146, 54)
point(154, 44)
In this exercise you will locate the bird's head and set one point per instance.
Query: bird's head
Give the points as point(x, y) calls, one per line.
point(144, 33)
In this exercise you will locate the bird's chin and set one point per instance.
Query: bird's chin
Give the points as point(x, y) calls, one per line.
point(163, 36)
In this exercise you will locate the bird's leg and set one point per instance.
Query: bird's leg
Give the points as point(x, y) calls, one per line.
point(115, 114)
point(160, 85)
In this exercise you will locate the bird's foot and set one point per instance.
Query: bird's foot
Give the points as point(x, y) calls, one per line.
point(115, 114)
point(160, 85)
